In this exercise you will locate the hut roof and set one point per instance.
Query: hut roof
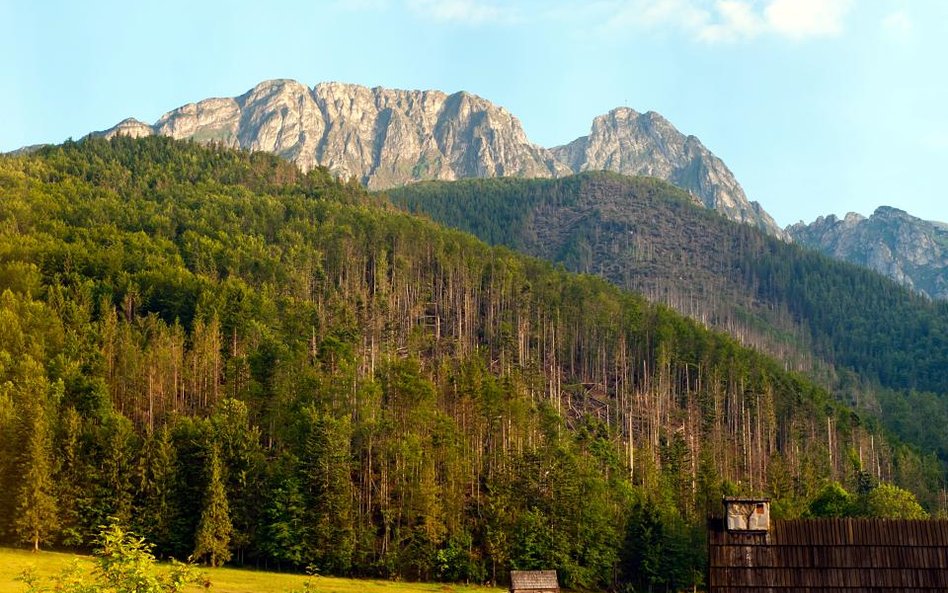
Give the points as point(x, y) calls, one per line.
point(533, 579)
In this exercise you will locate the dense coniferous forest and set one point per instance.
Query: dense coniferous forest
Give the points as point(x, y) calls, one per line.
point(883, 348)
point(252, 365)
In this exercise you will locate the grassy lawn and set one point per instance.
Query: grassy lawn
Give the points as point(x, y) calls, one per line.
point(226, 580)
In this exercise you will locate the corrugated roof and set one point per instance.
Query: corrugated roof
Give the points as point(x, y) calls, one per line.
point(533, 579)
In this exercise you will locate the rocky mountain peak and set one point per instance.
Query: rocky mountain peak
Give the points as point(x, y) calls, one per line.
point(852, 218)
point(891, 241)
point(391, 137)
point(130, 127)
point(633, 143)
point(890, 212)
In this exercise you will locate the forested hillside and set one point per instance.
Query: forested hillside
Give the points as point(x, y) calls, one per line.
point(249, 364)
point(851, 327)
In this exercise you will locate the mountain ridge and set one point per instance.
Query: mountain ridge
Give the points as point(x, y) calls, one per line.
point(391, 137)
point(908, 249)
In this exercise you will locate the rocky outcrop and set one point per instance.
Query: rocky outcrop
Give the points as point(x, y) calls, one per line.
point(633, 143)
point(907, 249)
point(129, 127)
point(386, 138)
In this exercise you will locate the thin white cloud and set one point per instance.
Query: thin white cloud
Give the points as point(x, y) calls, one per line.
point(897, 24)
point(737, 19)
point(710, 21)
point(798, 19)
point(621, 15)
point(472, 12)
point(728, 20)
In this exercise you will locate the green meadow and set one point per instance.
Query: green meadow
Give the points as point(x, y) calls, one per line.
point(226, 580)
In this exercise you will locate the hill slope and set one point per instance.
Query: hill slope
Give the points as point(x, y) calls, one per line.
point(803, 307)
point(911, 251)
point(645, 235)
point(387, 138)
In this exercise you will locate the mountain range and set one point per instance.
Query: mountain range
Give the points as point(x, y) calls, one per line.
point(387, 138)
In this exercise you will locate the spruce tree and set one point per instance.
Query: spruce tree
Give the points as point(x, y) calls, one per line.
point(36, 504)
point(72, 488)
point(212, 540)
point(156, 483)
point(330, 532)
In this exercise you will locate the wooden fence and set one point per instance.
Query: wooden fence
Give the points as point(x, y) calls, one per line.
point(830, 555)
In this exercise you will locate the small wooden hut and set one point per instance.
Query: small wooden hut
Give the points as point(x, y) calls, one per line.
point(759, 555)
point(534, 581)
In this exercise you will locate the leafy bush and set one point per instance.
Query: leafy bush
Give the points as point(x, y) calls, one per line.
point(124, 564)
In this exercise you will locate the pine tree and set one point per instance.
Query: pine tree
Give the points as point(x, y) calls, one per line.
point(212, 540)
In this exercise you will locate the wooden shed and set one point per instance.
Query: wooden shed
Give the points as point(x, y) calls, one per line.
point(829, 556)
point(533, 581)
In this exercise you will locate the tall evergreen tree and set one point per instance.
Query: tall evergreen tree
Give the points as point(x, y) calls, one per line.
point(36, 519)
point(212, 540)
point(9, 439)
point(71, 480)
point(156, 488)
point(330, 489)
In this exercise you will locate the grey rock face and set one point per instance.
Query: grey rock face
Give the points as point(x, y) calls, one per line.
point(633, 143)
point(387, 137)
point(382, 137)
point(907, 249)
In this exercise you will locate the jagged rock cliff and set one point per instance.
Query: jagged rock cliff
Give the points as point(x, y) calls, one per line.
point(633, 143)
point(892, 242)
point(386, 138)
point(383, 137)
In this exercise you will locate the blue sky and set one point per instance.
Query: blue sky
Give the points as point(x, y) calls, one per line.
point(818, 106)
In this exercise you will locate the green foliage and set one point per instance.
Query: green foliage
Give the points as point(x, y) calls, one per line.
point(888, 501)
point(36, 518)
point(212, 540)
point(648, 236)
point(661, 549)
point(285, 526)
point(832, 501)
point(327, 468)
point(123, 564)
point(884, 501)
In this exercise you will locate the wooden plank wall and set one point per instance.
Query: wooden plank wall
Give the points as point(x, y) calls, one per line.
point(831, 556)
